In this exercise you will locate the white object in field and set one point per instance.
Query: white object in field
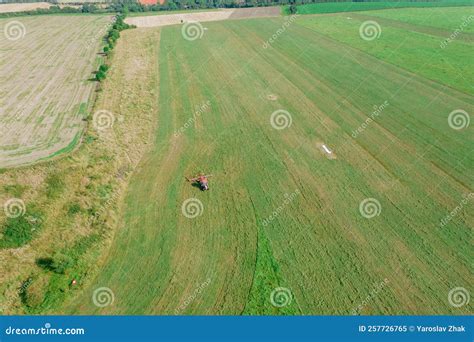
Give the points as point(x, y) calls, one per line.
point(349, 18)
point(328, 151)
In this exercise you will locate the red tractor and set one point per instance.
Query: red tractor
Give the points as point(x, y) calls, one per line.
point(201, 180)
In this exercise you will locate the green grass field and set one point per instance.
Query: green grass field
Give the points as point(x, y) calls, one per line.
point(335, 7)
point(281, 212)
point(444, 18)
point(414, 47)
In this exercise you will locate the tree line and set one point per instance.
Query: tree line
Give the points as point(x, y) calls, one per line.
point(113, 34)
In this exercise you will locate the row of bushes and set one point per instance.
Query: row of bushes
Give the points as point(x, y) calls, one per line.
point(112, 36)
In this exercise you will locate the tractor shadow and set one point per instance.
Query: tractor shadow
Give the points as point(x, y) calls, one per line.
point(196, 185)
point(45, 263)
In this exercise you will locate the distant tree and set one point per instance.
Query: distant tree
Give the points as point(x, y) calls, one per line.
point(103, 68)
point(88, 8)
point(100, 75)
point(111, 43)
point(125, 10)
point(114, 34)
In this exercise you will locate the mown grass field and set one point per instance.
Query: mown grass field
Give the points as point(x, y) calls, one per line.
point(449, 18)
point(335, 7)
point(45, 86)
point(216, 96)
point(415, 47)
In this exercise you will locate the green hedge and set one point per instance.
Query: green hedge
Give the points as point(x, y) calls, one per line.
point(112, 36)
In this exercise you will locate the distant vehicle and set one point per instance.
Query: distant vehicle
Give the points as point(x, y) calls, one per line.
point(201, 180)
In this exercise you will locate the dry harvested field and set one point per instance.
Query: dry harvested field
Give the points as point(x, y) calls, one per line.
point(173, 19)
point(45, 87)
point(8, 8)
point(258, 12)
